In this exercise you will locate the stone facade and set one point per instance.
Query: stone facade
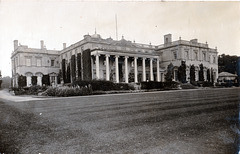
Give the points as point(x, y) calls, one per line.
point(115, 60)
point(118, 61)
point(34, 62)
point(192, 52)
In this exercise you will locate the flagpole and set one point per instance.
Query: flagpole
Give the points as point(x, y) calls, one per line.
point(116, 26)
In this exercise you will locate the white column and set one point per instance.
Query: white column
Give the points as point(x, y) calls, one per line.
point(55, 80)
point(116, 71)
point(97, 66)
point(107, 67)
point(158, 73)
point(29, 81)
point(144, 69)
point(126, 69)
point(39, 80)
point(151, 69)
point(135, 70)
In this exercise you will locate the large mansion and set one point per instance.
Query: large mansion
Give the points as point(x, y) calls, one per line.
point(112, 60)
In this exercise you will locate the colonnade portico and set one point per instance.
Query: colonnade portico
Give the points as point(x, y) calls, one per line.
point(125, 60)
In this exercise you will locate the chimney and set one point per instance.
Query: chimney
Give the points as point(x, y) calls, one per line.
point(42, 44)
point(64, 45)
point(15, 44)
point(167, 38)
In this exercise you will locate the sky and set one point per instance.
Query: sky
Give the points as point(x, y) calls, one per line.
point(67, 21)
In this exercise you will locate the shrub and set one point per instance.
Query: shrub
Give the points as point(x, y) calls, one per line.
point(207, 84)
point(187, 86)
point(22, 81)
point(68, 91)
point(102, 85)
point(201, 83)
point(159, 85)
point(33, 90)
point(152, 85)
point(170, 85)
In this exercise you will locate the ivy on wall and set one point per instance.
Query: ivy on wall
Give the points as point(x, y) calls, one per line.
point(208, 75)
point(169, 74)
point(201, 76)
point(182, 72)
point(87, 65)
point(73, 67)
point(68, 77)
point(34, 80)
point(64, 70)
point(79, 66)
point(59, 77)
point(46, 80)
point(22, 81)
point(192, 73)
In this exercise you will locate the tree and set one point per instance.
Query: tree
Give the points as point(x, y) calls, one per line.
point(182, 72)
point(192, 73)
point(169, 74)
point(6, 82)
point(227, 63)
point(201, 76)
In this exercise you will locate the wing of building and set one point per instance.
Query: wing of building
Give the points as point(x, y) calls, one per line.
point(113, 60)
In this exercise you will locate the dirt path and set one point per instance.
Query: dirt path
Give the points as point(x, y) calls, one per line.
point(4, 94)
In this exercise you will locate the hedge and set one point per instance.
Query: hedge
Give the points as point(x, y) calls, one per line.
point(67, 91)
point(98, 85)
point(159, 85)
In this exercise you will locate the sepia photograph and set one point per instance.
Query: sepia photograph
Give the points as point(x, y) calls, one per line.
point(148, 77)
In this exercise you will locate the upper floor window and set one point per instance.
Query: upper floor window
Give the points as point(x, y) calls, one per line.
point(175, 55)
point(28, 62)
point(39, 62)
point(196, 55)
point(204, 56)
point(214, 59)
point(52, 62)
point(186, 54)
point(17, 61)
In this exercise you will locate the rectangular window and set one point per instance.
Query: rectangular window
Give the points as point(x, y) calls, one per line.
point(52, 62)
point(186, 55)
point(16, 61)
point(204, 56)
point(196, 55)
point(39, 62)
point(214, 60)
point(28, 62)
point(175, 55)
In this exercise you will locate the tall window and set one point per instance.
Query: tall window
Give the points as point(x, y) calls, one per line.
point(28, 62)
point(39, 62)
point(17, 61)
point(52, 62)
point(175, 55)
point(186, 55)
point(196, 55)
point(204, 56)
